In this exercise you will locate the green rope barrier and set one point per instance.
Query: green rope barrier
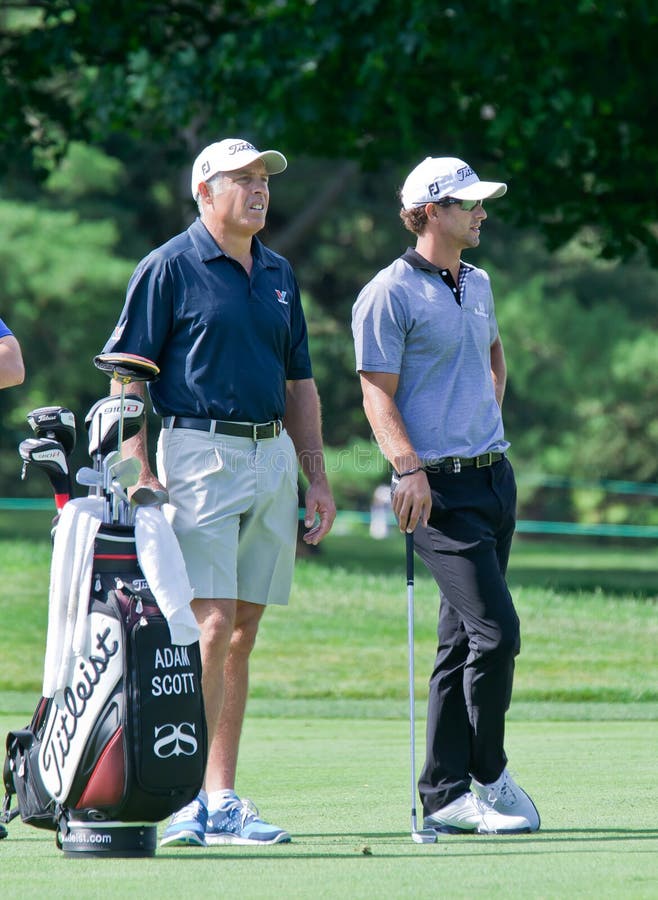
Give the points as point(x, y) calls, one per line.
point(357, 517)
point(26, 503)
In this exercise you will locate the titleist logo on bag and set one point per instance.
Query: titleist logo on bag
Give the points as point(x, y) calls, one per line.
point(72, 716)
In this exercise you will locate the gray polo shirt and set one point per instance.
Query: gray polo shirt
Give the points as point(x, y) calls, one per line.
point(410, 322)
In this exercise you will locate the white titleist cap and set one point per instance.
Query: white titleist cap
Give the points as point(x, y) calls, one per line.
point(446, 176)
point(229, 155)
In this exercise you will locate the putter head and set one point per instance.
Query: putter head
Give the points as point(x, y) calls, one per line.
point(424, 836)
point(56, 422)
point(126, 367)
point(102, 422)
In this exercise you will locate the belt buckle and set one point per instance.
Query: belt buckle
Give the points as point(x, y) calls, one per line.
point(482, 465)
point(275, 425)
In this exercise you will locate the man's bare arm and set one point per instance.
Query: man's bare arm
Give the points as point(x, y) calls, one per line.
point(498, 369)
point(412, 500)
point(137, 446)
point(304, 425)
point(12, 369)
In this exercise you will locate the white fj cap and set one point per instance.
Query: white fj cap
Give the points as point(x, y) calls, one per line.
point(446, 176)
point(231, 154)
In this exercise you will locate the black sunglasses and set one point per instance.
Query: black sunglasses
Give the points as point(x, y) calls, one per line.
point(466, 205)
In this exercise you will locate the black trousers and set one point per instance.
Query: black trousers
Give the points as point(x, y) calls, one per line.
point(466, 548)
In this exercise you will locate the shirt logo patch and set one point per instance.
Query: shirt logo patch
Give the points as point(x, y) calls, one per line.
point(281, 297)
point(480, 310)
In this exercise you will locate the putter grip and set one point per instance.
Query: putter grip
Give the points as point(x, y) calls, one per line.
point(409, 538)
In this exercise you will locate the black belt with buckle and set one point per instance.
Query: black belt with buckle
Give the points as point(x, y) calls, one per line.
point(453, 464)
point(257, 431)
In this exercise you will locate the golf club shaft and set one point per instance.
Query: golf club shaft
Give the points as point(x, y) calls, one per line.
point(409, 538)
point(122, 398)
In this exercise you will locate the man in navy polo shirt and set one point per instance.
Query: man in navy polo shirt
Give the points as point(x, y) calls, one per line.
point(433, 375)
point(12, 370)
point(221, 315)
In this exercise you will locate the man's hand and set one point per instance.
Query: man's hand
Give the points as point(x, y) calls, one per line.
point(412, 501)
point(302, 422)
point(320, 502)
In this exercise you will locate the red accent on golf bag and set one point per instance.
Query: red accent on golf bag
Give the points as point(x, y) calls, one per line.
point(128, 741)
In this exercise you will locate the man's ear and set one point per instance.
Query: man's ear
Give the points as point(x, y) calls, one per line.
point(205, 193)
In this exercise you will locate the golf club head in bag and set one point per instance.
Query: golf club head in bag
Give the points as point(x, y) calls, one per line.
point(147, 497)
point(105, 421)
point(49, 456)
point(56, 422)
point(120, 474)
point(124, 368)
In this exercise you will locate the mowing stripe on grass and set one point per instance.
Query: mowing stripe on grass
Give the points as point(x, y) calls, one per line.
point(340, 786)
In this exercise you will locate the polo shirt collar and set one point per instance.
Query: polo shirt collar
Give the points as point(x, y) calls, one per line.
point(417, 261)
point(208, 248)
point(204, 243)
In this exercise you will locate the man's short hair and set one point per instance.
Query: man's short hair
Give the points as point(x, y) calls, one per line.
point(213, 185)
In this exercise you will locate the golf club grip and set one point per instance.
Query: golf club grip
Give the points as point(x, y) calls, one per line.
point(409, 538)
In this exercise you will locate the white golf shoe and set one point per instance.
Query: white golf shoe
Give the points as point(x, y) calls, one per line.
point(470, 814)
point(506, 797)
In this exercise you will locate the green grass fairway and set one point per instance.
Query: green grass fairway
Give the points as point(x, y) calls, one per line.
point(325, 751)
point(344, 634)
point(342, 789)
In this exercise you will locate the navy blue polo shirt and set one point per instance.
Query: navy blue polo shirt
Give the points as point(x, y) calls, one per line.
point(225, 341)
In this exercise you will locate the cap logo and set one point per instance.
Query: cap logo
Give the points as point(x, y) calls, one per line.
point(205, 168)
point(443, 183)
point(238, 148)
point(446, 182)
point(464, 172)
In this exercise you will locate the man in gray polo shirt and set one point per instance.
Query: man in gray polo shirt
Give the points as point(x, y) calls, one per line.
point(433, 374)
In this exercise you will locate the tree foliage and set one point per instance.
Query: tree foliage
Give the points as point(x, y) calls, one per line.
point(62, 281)
point(557, 98)
point(108, 103)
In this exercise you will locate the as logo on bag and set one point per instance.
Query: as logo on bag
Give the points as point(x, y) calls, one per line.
point(175, 740)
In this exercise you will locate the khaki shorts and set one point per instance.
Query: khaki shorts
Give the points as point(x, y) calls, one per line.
point(235, 510)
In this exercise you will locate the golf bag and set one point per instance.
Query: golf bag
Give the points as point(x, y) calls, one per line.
point(125, 740)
